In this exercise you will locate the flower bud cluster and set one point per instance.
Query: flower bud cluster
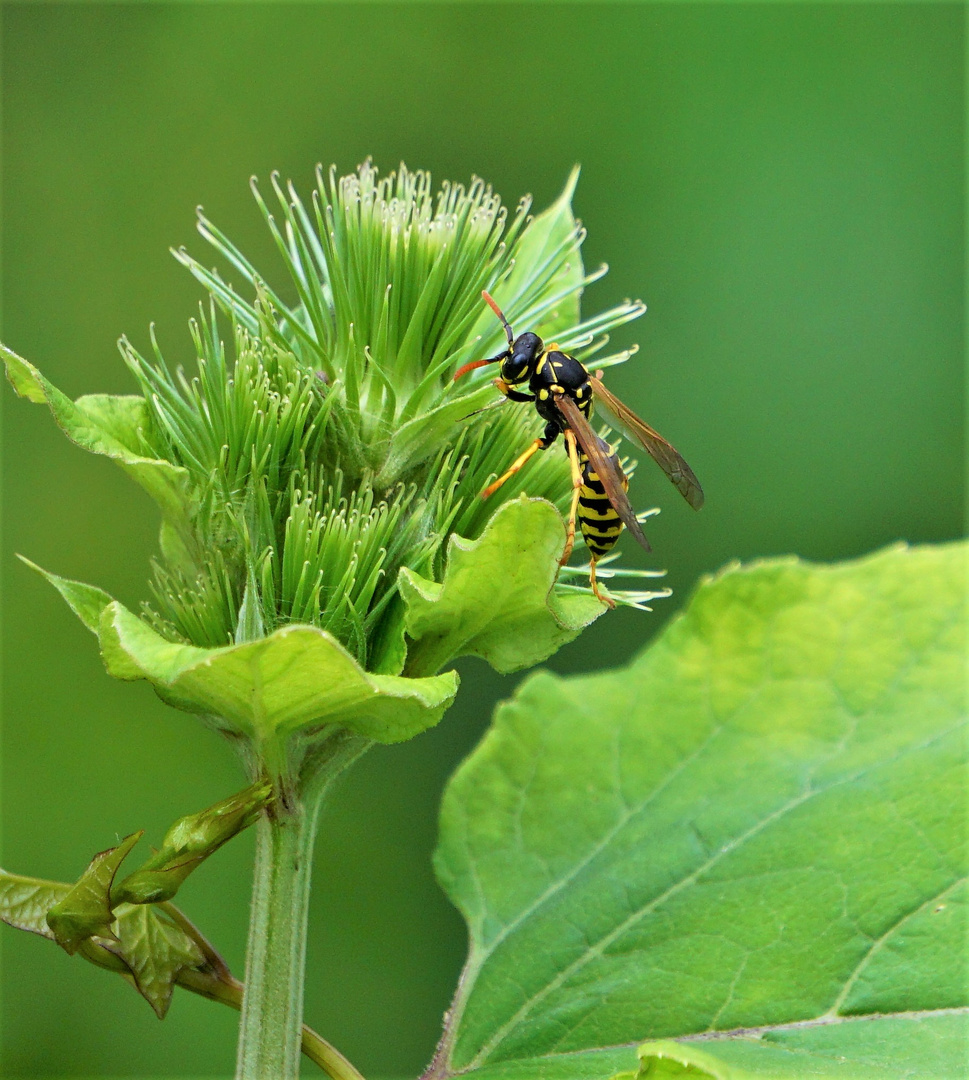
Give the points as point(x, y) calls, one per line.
point(324, 550)
point(334, 448)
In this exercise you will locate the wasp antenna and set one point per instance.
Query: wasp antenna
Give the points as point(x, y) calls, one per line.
point(465, 368)
point(497, 310)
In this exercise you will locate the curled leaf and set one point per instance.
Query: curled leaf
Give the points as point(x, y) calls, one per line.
point(297, 679)
point(498, 598)
point(113, 426)
point(85, 911)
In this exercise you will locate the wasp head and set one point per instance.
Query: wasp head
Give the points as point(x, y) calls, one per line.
point(520, 365)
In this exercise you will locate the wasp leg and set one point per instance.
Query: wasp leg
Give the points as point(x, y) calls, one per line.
point(570, 445)
point(595, 584)
point(510, 392)
point(538, 444)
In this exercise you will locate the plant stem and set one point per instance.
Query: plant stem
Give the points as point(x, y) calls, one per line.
point(329, 1059)
point(229, 991)
point(270, 1029)
point(272, 1008)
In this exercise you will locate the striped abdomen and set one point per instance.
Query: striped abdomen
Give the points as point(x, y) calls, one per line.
point(598, 520)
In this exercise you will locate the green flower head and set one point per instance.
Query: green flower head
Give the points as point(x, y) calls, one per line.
point(324, 551)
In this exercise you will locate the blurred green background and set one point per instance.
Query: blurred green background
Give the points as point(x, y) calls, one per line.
point(783, 185)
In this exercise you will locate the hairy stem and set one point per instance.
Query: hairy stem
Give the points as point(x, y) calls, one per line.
point(272, 1007)
point(270, 1030)
point(229, 991)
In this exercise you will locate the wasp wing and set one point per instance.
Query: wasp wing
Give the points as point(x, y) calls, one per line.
point(638, 431)
point(604, 465)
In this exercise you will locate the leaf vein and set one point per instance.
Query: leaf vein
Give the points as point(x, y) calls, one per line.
point(879, 942)
point(607, 939)
point(597, 849)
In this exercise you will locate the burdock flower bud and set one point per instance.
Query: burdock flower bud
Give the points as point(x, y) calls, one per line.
point(188, 843)
point(324, 554)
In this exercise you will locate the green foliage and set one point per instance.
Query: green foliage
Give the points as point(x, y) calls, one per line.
point(154, 948)
point(147, 945)
point(129, 927)
point(752, 841)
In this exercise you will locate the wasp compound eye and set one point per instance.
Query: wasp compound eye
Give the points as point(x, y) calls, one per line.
point(515, 368)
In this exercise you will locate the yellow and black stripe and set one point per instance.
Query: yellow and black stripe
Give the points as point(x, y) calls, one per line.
point(598, 520)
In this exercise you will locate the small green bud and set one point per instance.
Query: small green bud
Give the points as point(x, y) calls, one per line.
point(188, 843)
point(154, 886)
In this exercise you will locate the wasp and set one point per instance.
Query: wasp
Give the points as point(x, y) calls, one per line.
point(565, 394)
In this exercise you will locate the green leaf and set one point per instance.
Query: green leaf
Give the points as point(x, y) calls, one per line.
point(859, 1048)
point(114, 427)
point(156, 952)
point(86, 909)
point(297, 679)
point(25, 901)
point(497, 600)
point(749, 845)
point(86, 601)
